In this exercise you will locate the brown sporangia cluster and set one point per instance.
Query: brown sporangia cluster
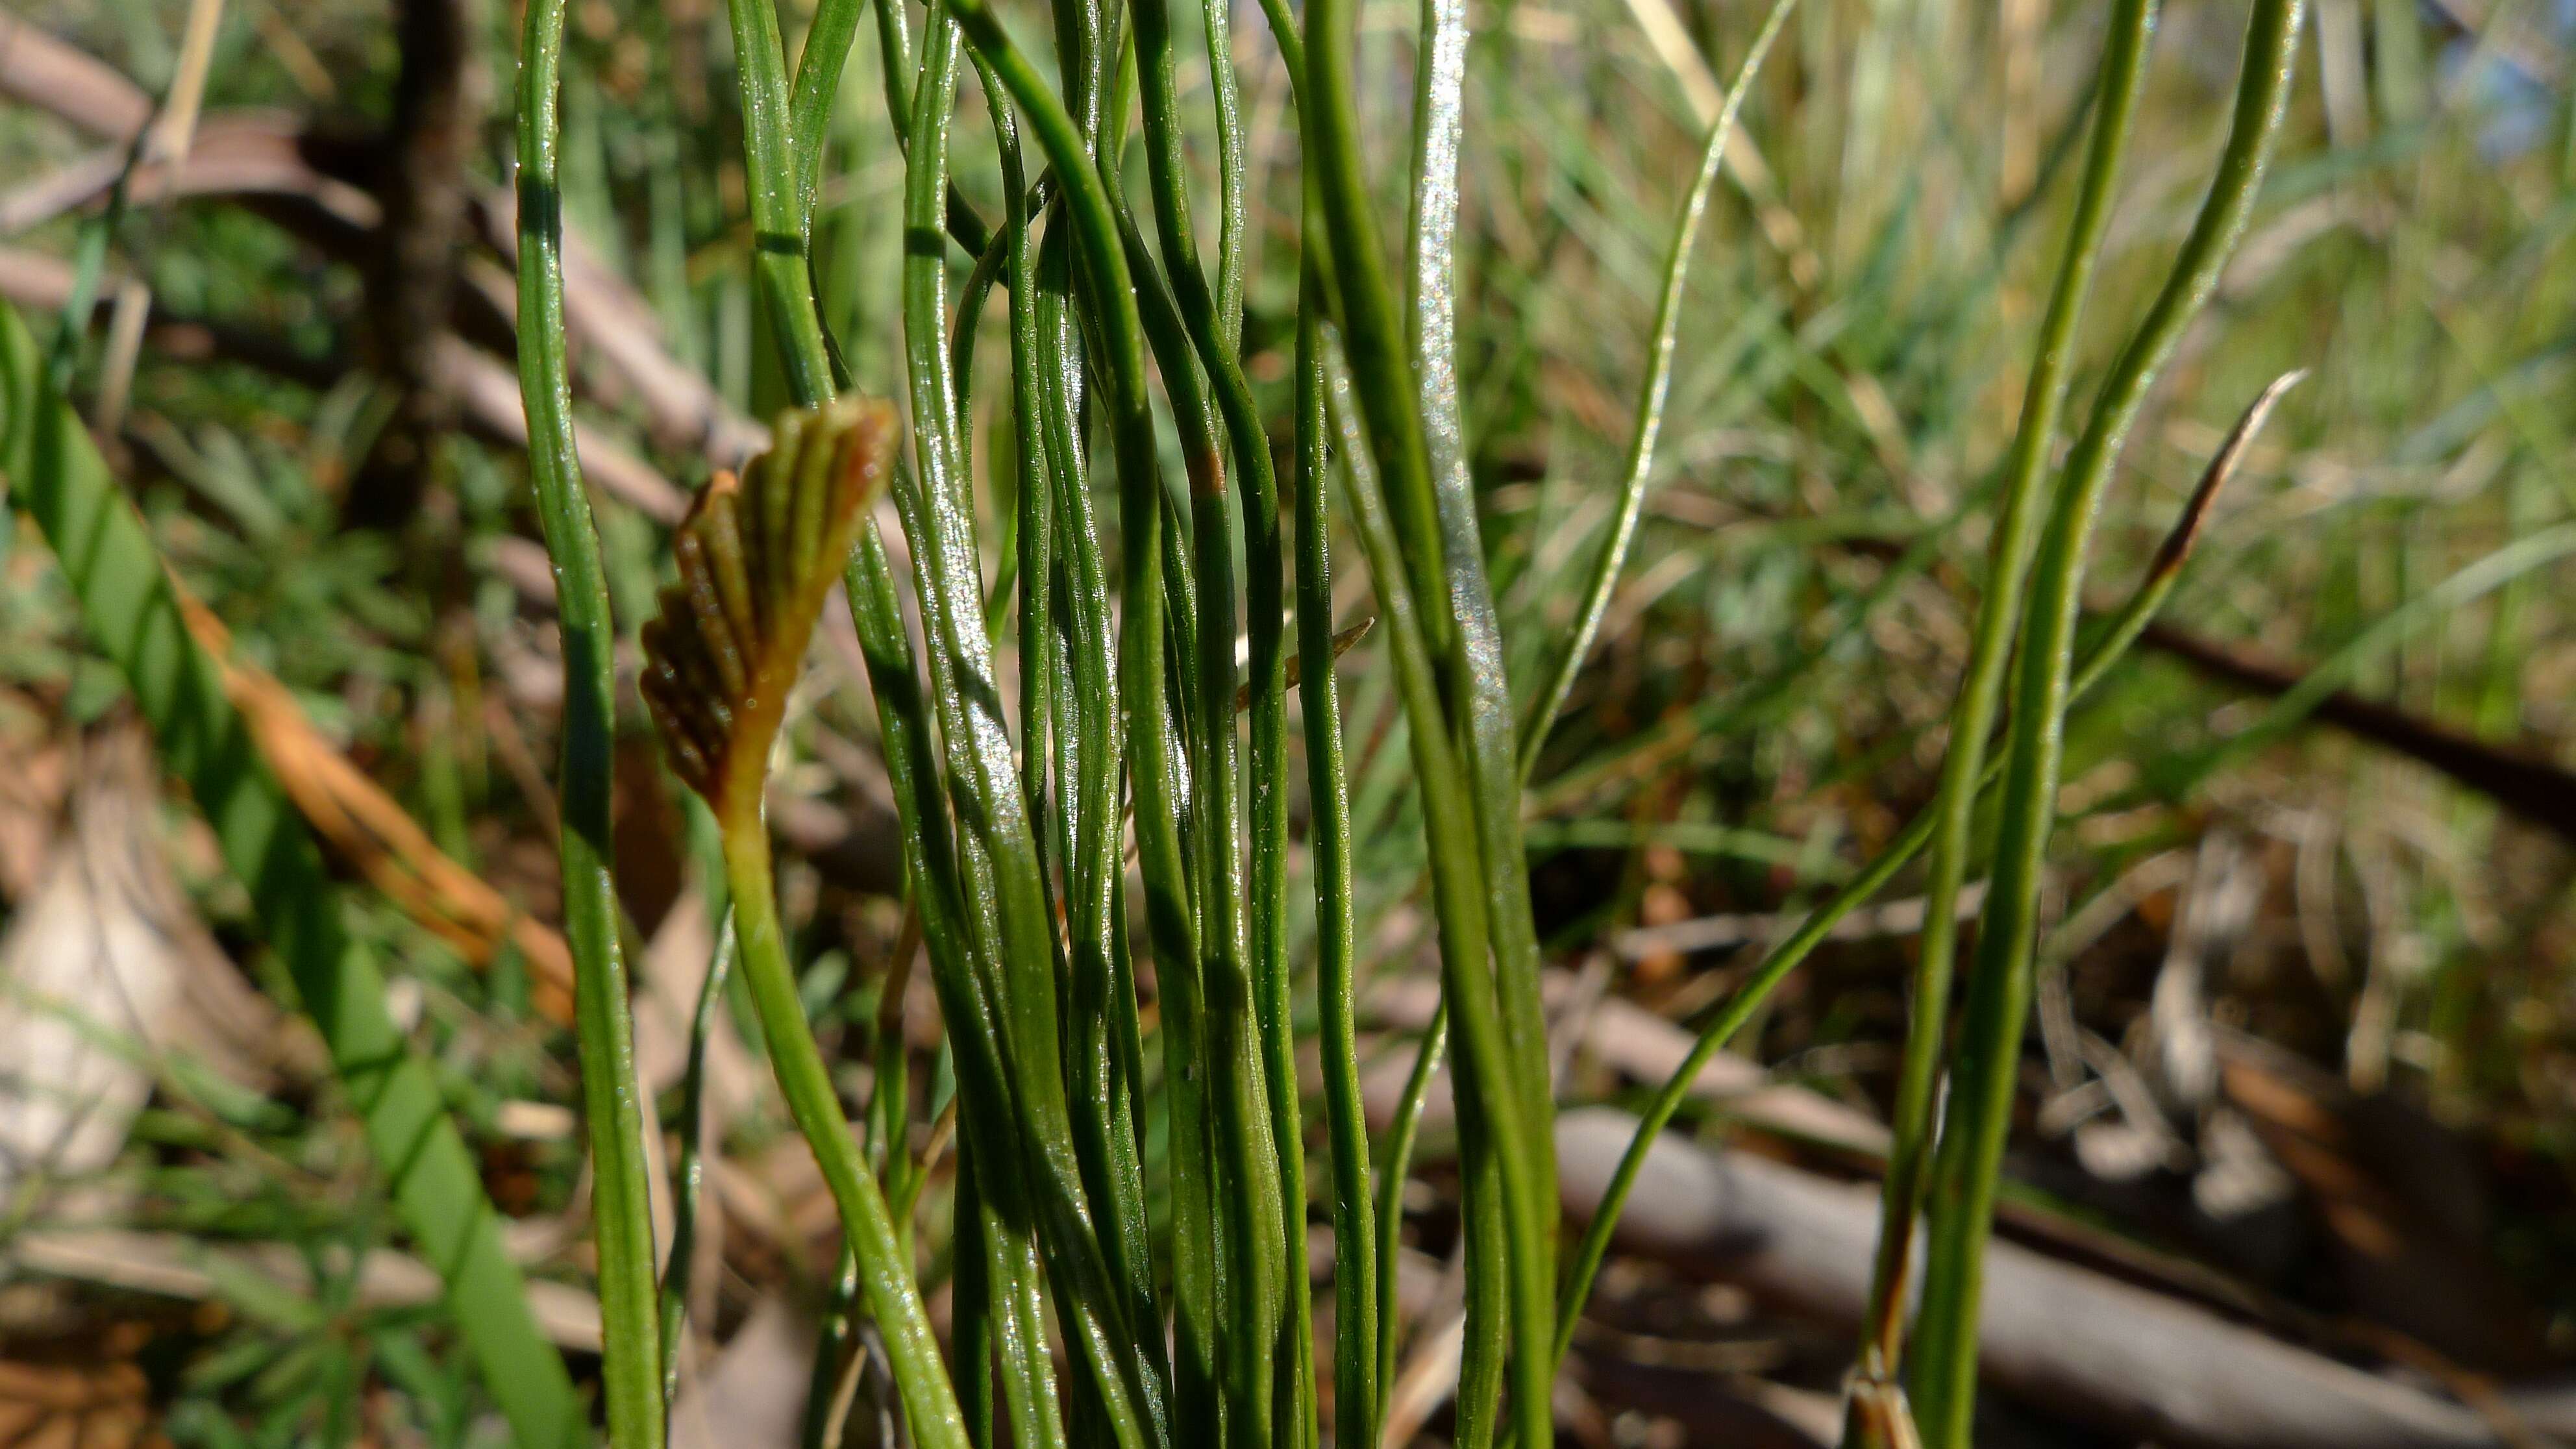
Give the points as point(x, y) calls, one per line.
point(756, 556)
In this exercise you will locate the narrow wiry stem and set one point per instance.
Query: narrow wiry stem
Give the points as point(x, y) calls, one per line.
point(690, 1166)
point(1358, 1292)
point(1972, 717)
point(2114, 642)
point(621, 1201)
point(1987, 1056)
point(1430, 583)
point(1661, 344)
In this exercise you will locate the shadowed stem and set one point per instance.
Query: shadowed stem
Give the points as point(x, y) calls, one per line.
point(690, 1168)
point(621, 1205)
point(1429, 580)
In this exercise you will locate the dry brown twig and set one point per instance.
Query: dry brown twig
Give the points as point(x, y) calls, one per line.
point(2098, 1350)
point(372, 833)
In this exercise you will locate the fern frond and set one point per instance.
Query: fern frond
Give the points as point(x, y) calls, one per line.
point(756, 556)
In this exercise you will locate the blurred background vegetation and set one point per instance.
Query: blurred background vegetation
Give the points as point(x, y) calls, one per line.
point(2306, 1048)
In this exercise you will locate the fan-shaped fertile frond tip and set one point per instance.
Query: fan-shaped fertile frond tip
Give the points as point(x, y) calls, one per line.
point(755, 557)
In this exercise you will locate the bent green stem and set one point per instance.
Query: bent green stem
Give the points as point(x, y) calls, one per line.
point(885, 1270)
point(1979, 1112)
point(1980, 691)
point(755, 558)
point(2113, 642)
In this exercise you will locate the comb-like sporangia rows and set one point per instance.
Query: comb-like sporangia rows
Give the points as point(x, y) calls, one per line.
point(756, 556)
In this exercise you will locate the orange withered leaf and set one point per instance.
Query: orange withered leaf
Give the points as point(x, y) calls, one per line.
point(756, 556)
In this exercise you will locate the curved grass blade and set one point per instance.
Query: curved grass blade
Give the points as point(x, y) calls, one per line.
point(1478, 694)
point(1368, 511)
point(1244, 1136)
point(1987, 1055)
point(1467, 766)
point(1603, 576)
point(893, 674)
point(1122, 1381)
point(1458, 897)
point(1477, 686)
point(133, 613)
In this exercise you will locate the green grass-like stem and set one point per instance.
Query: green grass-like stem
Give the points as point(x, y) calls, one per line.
point(1359, 1292)
point(1661, 339)
point(1459, 903)
point(1010, 915)
point(930, 1406)
point(621, 1206)
point(1001, 1262)
point(1105, 1050)
point(2117, 635)
point(1244, 968)
point(1448, 658)
point(1476, 690)
point(1987, 1055)
point(689, 1166)
point(1401, 1132)
point(1972, 717)
point(1004, 1262)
